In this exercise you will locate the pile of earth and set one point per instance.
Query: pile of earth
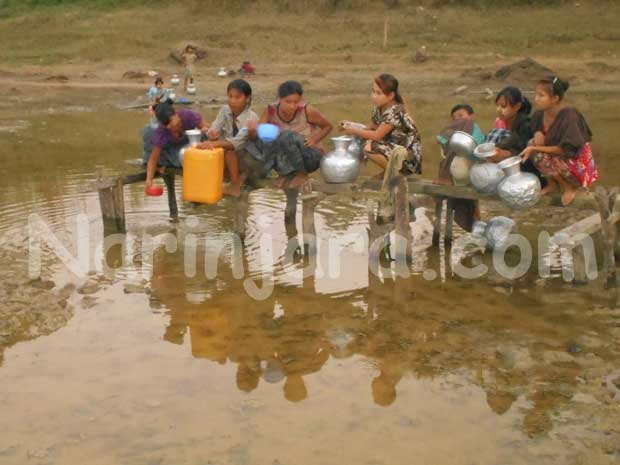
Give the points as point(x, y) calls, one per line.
point(523, 71)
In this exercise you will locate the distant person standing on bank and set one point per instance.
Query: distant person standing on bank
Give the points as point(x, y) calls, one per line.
point(189, 58)
point(155, 95)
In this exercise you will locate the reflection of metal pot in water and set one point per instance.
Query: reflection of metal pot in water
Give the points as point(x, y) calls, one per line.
point(340, 165)
point(340, 341)
point(272, 371)
point(518, 189)
point(498, 230)
point(479, 228)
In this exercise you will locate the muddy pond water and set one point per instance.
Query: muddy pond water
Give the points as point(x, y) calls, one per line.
point(272, 358)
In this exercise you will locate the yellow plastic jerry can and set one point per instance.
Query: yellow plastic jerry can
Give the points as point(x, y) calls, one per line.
point(203, 174)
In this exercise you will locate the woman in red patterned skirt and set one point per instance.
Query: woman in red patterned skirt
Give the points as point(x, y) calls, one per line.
point(561, 146)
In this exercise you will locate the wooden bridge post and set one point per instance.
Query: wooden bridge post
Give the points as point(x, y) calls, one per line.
point(439, 201)
point(112, 203)
point(377, 230)
point(580, 267)
point(309, 201)
point(290, 212)
point(449, 221)
point(172, 197)
point(241, 212)
point(401, 216)
point(606, 201)
point(617, 248)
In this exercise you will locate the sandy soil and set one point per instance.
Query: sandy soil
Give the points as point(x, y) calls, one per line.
point(98, 85)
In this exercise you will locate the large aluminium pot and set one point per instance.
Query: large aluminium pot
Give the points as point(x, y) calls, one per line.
point(518, 189)
point(340, 165)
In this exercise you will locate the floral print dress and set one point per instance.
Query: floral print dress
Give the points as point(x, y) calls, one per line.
point(571, 132)
point(404, 134)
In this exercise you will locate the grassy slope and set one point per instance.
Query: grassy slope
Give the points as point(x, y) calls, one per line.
point(80, 34)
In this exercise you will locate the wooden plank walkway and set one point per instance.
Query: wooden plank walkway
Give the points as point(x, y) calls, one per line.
point(606, 222)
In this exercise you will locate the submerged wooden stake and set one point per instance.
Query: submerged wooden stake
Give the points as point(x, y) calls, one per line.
point(112, 203)
point(617, 248)
point(580, 268)
point(290, 212)
point(309, 202)
point(402, 219)
point(449, 221)
point(608, 210)
point(241, 212)
point(172, 197)
point(439, 202)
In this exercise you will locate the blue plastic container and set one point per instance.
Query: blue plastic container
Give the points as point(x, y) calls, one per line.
point(268, 132)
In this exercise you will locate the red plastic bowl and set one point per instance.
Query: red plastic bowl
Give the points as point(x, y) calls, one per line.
point(154, 191)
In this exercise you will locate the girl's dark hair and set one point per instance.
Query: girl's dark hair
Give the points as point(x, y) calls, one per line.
point(462, 106)
point(555, 86)
point(513, 96)
point(163, 112)
point(289, 88)
point(388, 84)
point(242, 86)
point(158, 80)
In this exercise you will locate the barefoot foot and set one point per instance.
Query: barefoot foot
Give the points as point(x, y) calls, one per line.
point(550, 188)
point(568, 196)
point(233, 190)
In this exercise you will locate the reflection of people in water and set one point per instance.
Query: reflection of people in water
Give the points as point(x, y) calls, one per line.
point(395, 325)
point(500, 401)
point(295, 388)
point(248, 376)
point(210, 330)
point(177, 326)
point(281, 351)
point(307, 358)
point(224, 329)
point(384, 387)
